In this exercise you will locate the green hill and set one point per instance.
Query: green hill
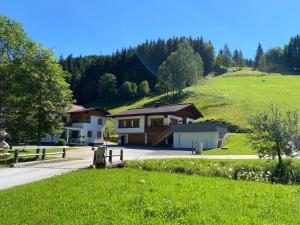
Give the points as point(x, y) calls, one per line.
point(233, 96)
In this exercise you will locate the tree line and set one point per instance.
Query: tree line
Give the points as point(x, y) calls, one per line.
point(133, 65)
point(146, 62)
point(282, 60)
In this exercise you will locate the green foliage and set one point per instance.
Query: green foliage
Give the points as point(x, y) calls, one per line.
point(143, 88)
point(259, 53)
point(108, 87)
point(227, 56)
point(272, 132)
point(181, 69)
point(61, 142)
point(33, 86)
point(128, 90)
point(134, 64)
point(275, 61)
point(238, 58)
point(262, 66)
point(127, 196)
point(292, 54)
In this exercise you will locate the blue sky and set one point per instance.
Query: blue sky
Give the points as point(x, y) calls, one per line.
point(96, 26)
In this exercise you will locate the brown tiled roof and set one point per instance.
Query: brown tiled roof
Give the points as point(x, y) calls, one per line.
point(165, 109)
point(80, 108)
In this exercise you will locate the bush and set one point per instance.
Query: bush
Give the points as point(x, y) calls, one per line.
point(143, 88)
point(61, 142)
point(128, 90)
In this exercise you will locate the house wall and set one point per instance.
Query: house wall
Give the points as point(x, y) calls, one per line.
point(94, 127)
point(185, 139)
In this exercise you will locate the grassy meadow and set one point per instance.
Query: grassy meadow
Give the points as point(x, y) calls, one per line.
point(233, 96)
point(129, 196)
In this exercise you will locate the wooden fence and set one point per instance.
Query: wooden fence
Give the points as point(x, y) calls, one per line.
point(37, 155)
point(100, 156)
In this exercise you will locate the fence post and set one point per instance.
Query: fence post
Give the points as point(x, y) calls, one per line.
point(94, 158)
point(110, 156)
point(44, 154)
point(37, 154)
point(16, 156)
point(121, 155)
point(64, 153)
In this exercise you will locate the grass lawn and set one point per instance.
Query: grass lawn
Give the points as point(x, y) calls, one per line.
point(236, 144)
point(129, 196)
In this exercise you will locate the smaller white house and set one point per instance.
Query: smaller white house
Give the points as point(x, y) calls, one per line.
point(83, 126)
point(210, 134)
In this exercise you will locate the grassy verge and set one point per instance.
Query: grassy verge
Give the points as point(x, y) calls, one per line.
point(128, 196)
point(251, 170)
point(236, 144)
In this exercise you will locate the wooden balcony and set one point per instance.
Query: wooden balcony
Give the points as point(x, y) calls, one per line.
point(156, 129)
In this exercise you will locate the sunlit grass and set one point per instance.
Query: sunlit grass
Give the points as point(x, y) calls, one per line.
point(128, 196)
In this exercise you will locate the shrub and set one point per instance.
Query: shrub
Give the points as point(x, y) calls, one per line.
point(61, 142)
point(143, 88)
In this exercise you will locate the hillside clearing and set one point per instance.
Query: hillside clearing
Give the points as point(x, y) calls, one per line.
point(233, 96)
point(128, 196)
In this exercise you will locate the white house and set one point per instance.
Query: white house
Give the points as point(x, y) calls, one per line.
point(151, 125)
point(210, 134)
point(83, 126)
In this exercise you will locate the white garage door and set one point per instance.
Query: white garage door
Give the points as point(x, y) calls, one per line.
point(186, 139)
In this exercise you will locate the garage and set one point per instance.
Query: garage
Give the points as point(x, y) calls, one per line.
point(210, 134)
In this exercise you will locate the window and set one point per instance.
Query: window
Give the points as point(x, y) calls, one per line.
point(100, 121)
point(99, 134)
point(89, 134)
point(129, 123)
point(157, 122)
point(121, 123)
point(136, 123)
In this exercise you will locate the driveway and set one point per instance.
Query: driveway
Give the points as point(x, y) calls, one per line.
point(27, 173)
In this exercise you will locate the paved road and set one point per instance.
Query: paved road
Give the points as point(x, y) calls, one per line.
point(10, 177)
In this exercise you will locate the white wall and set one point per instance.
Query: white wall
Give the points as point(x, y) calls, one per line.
point(94, 127)
point(185, 139)
point(140, 129)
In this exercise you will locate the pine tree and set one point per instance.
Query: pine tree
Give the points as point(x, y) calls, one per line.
point(241, 60)
point(258, 54)
point(235, 57)
point(227, 56)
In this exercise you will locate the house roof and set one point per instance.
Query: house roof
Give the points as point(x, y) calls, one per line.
point(80, 108)
point(158, 110)
point(197, 127)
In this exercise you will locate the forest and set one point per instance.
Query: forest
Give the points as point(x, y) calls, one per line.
point(141, 63)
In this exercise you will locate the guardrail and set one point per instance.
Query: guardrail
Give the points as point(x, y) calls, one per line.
point(37, 155)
